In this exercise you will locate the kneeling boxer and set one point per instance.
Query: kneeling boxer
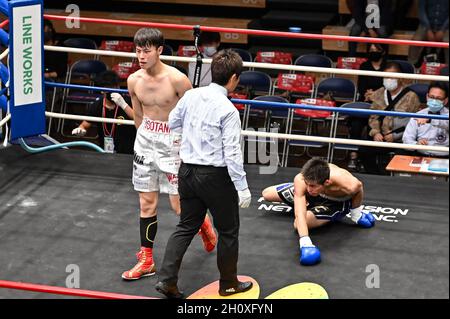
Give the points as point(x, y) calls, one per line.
point(321, 193)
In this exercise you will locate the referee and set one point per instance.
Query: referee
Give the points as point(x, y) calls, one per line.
point(211, 175)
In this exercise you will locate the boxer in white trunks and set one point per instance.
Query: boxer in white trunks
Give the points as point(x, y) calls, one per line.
point(155, 90)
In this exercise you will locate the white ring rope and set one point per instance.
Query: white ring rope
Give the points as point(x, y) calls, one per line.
point(273, 135)
point(5, 120)
point(88, 118)
point(344, 141)
point(4, 54)
point(257, 65)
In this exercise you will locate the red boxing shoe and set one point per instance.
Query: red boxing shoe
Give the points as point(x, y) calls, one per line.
point(145, 266)
point(208, 235)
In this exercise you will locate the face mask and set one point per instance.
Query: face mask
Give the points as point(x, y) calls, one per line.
point(48, 36)
point(209, 51)
point(375, 56)
point(435, 106)
point(390, 84)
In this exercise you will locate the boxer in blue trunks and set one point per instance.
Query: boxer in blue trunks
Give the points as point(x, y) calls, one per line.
point(321, 193)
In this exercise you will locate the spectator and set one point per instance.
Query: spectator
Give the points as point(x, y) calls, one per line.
point(433, 26)
point(401, 9)
point(363, 13)
point(426, 131)
point(113, 137)
point(394, 96)
point(55, 63)
point(367, 85)
point(209, 42)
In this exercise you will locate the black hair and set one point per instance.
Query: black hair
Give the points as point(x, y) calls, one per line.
point(316, 170)
point(209, 37)
point(393, 65)
point(378, 46)
point(224, 64)
point(439, 85)
point(107, 79)
point(51, 33)
point(148, 37)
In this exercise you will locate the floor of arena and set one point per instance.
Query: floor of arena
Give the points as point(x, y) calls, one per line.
point(72, 207)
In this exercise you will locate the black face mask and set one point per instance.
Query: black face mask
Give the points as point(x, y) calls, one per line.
point(375, 56)
point(48, 36)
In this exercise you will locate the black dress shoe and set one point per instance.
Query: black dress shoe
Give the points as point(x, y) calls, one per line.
point(170, 292)
point(241, 287)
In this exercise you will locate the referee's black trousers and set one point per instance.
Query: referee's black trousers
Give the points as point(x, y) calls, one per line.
point(202, 188)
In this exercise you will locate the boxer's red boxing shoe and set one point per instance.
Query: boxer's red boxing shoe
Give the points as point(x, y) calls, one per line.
point(145, 266)
point(208, 235)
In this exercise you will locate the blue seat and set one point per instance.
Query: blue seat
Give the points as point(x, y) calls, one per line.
point(315, 60)
point(348, 147)
point(245, 55)
point(421, 90)
point(83, 71)
point(273, 112)
point(167, 50)
point(340, 88)
point(405, 66)
point(444, 71)
point(256, 82)
point(82, 43)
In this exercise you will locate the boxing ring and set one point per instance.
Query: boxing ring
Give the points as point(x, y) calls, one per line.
point(77, 208)
point(72, 207)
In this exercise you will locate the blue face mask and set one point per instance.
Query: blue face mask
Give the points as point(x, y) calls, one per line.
point(434, 105)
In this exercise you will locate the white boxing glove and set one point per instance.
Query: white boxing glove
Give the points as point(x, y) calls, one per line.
point(245, 197)
point(79, 131)
point(119, 100)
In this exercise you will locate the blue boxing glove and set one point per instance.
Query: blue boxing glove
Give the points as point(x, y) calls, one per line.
point(365, 220)
point(309, 254)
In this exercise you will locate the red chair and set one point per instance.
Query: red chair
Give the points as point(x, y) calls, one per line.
point(432, 68)
point(186, 51)
point(350, 63)
point(275, 57)
point(295, 84)
point(312, 117)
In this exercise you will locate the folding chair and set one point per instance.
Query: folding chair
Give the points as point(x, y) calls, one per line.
point(81, 71)
point(347, 147)
point(254, 83)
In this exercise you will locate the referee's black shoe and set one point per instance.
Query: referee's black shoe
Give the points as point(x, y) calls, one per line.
point(170, 292)
point(240, 287)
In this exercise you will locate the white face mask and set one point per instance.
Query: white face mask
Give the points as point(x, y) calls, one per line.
point(390, 84)
point(209, 51)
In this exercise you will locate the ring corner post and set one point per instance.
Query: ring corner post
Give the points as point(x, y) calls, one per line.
point(26, 68)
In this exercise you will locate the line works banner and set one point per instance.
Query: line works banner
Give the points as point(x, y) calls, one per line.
point(26, 60)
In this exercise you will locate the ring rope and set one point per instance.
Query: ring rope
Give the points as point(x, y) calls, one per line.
point(258, 65)
point(344, 141)
point(274, 135)
point(252, 31)
point(5, 119)
point(278, 104)
point(66, 291)
point(4, 54)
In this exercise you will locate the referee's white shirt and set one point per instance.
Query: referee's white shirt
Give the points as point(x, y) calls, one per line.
point(211, 131)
